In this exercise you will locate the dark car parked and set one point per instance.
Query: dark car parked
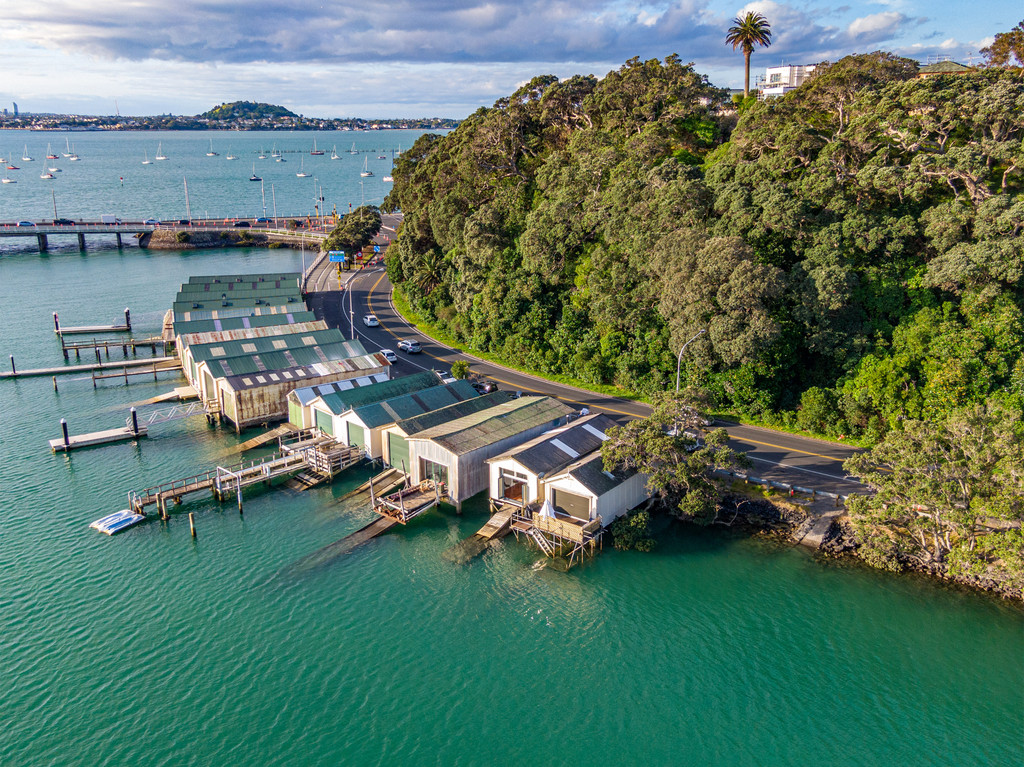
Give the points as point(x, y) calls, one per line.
point(245, 224)
point(62, 221)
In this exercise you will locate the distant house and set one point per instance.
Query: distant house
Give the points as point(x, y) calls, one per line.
point(455, 453)
point(943, 68)
point(779, 81)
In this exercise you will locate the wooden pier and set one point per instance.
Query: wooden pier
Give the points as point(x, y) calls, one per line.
point(83, 329)
point(125, 345)
point(557, 534)
point(160, 363)
point(130, 431)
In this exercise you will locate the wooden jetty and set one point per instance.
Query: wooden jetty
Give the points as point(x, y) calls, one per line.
point(141, 370)
point(557, 534)
point(161, 363)
point(266, 438)
point(332, 551)
point(96, 344)
point(497, 527)
point(410, 502)
point(322, 461)
point(83, 329)
point(382, 483)
point(96, 438)
point(66, 443)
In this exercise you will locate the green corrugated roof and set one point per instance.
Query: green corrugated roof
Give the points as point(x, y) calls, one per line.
point(274, 296)
point(291, 341)
point(415, 403)
point(486, 427)
point(268, 277)
point(224, 312)
point(418, 423)
point(341, 402)
point(214, 303)
point(248, 364)
point(238, 323)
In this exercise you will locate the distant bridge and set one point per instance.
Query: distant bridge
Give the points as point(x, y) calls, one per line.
point(273, 228)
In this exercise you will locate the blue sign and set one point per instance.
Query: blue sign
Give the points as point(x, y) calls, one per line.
point(376, 248)
point(336, 256)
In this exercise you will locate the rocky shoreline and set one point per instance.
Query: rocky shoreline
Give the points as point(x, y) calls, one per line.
point(166, 239)
point(788, 521)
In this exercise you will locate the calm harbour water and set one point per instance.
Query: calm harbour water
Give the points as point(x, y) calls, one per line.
point(151, 648)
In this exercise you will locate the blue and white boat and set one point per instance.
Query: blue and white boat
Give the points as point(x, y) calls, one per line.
point(116, 522)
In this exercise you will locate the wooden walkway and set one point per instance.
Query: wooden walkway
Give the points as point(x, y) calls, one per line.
point(409, 503)
point(266, 438)
point(160, 363)
point(332, 551)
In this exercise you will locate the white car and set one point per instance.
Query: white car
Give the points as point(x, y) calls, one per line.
point(409, 346)
point(389, 355)
point(370, 321)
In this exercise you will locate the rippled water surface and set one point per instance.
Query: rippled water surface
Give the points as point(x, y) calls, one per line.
point(238, 648)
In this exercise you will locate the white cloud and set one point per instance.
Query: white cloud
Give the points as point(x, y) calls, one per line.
point(870, 26)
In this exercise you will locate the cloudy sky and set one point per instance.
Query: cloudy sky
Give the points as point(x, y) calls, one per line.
point(414, 58)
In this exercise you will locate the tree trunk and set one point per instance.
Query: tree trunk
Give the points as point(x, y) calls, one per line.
point(746, 76)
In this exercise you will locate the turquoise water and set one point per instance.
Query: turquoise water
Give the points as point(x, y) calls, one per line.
point(151, 648)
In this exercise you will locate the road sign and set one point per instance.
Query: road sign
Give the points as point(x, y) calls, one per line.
point(376, 248)
point(336, 256)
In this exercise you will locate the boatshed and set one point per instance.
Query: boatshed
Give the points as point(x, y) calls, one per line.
point(241, 334)
point(261, 396)
point(585, 491)
point(341, 401)
point(517, 476)
point(362, 426)
point(395, 438)
point(455, 453)
point(299, 414)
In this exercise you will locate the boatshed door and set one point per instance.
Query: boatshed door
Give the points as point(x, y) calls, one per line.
point(325, 421)
point(574, 505)
point(356, 435)
point(398, 451)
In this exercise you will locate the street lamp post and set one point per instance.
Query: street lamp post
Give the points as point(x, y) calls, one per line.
point(679, 360)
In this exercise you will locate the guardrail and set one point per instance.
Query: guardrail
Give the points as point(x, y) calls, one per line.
point(791, 489)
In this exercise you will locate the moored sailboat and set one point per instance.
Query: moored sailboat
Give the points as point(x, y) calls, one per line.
point(366, 169)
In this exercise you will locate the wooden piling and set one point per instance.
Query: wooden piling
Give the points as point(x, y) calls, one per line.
point(13, 369)
point(192, 523)
point(55, 383)
point(238, 489)
point(64, 428)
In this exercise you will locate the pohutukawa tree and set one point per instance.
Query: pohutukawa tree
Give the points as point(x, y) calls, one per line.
point(746, 32)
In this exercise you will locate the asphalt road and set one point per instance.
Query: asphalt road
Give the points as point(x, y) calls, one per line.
point(776, 455)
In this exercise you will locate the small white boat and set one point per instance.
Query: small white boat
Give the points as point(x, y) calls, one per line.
point(230, 156)
point(211, 153)
point(302, 169)
point(67, 146)
point(49, 153)
point(366, 169)
point(73, 157)
point(160, 152)
point(387, 179)
point(145, 158)
point(25, 157)
point(353, 149)
point(55, 170)
point(254, 177)
point(381, 157)
point(7, 180)
point(334, 153)
point(262, 155)
point(274, 153)
point(46, 175)
point(116, 522)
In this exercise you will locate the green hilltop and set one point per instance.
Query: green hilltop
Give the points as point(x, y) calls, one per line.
point(247, 110)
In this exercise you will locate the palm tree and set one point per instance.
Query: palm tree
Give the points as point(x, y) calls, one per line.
point(753, 29)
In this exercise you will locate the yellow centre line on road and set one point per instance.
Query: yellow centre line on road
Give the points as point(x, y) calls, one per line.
point(790, 449)
point(369, 304)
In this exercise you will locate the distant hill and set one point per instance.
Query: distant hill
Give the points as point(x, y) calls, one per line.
point(246, 110)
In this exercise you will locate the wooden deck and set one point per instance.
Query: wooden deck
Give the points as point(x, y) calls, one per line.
point(410, 502)
point(96, 438)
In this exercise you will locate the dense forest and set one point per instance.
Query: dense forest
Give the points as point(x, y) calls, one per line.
point(852, 249)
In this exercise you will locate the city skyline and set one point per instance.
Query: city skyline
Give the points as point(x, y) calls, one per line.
point(430, 58)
